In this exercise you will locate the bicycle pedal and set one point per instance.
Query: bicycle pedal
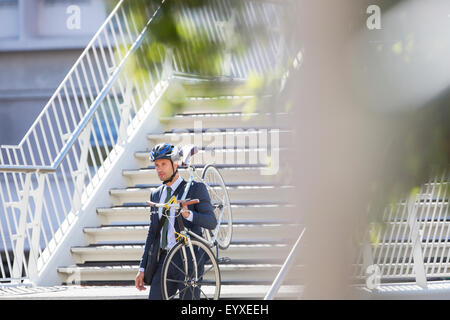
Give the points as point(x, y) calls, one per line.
point(224, 260)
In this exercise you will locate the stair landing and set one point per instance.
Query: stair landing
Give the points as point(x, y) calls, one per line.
point(77, 292)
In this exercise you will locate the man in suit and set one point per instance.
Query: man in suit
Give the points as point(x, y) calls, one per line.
point(195, 217)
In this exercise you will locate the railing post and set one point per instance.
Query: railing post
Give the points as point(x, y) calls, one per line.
point(38, 196)
point(367, 255)
point(22, 204)
point(124, 111)
point(82, 167)
point(228, 34)
point(415, 236)
point(167, 70)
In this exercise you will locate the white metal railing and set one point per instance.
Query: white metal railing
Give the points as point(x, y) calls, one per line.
point(223, 21)
point(413, 244)
point(69, 149)
point(287, 265)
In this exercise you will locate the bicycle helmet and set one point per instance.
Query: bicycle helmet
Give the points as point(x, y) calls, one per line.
point(161, 151)
point(164, 151)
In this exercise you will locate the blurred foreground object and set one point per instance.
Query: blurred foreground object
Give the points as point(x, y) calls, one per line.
point(360, 142)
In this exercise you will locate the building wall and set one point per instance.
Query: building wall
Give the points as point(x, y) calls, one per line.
point(39, 42)
point(27, 81)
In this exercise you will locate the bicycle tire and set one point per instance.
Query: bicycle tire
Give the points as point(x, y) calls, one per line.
point(222, 208)
point(181, 280)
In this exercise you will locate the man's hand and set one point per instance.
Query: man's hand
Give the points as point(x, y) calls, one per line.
point(184, 211)
point(139, 281)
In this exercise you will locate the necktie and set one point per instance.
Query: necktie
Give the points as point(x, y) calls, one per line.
point(166, 223)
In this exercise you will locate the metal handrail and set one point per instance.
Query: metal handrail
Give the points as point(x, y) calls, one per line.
point(284, 269)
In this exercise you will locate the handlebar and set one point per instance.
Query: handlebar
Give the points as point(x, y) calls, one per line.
point(174, 203)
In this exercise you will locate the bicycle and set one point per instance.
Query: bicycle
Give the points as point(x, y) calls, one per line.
point(191, 264)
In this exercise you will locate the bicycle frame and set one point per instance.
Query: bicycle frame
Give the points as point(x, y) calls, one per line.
point(192, 174)
point(186, 235)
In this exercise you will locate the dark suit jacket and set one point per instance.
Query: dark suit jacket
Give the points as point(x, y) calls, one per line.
point(203, 216)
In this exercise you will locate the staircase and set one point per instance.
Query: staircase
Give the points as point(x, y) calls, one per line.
point(263, 231)
point(410, 243)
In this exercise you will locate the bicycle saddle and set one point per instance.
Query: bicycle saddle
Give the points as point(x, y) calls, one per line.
point(186, 153)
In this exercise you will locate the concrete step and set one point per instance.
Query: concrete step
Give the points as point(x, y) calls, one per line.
point(255, 210)
point(206, 85)
point(131, 214)
point(230, 174)
point(219, 103)
point(233, 156)
point(244, 253)
point(117, 252)
point(236, 192)
point(255, 292)
point(225, 120)
point(392, 270)
point(426, 205)
point(241, 232)
point(430, 229)
point(228, 138)
point(402, 247)
point(434, 193)
point(213, 95)
point(437, 191)
point(230, 273)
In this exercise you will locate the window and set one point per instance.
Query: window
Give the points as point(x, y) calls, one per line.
point(9, 16)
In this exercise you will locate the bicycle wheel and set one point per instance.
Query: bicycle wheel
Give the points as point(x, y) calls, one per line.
point(180, 279)
point(221, 203)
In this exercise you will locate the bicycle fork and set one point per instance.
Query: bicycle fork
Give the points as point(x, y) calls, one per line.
point(189, 281)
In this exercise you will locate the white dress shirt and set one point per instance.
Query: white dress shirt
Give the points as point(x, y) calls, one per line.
point(171, 228)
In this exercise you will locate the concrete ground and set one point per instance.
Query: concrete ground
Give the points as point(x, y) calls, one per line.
point(436, 291)
point(77, 292)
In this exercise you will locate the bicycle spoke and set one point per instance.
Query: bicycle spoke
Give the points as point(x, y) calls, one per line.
point(173, 263)
point(206, 297)
point(199, 261)
point(185, 288)
point(214, 192)
point(171, 297)
point(175, 281)
point(191, 287)
point(201, 258)
point(206, 271)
